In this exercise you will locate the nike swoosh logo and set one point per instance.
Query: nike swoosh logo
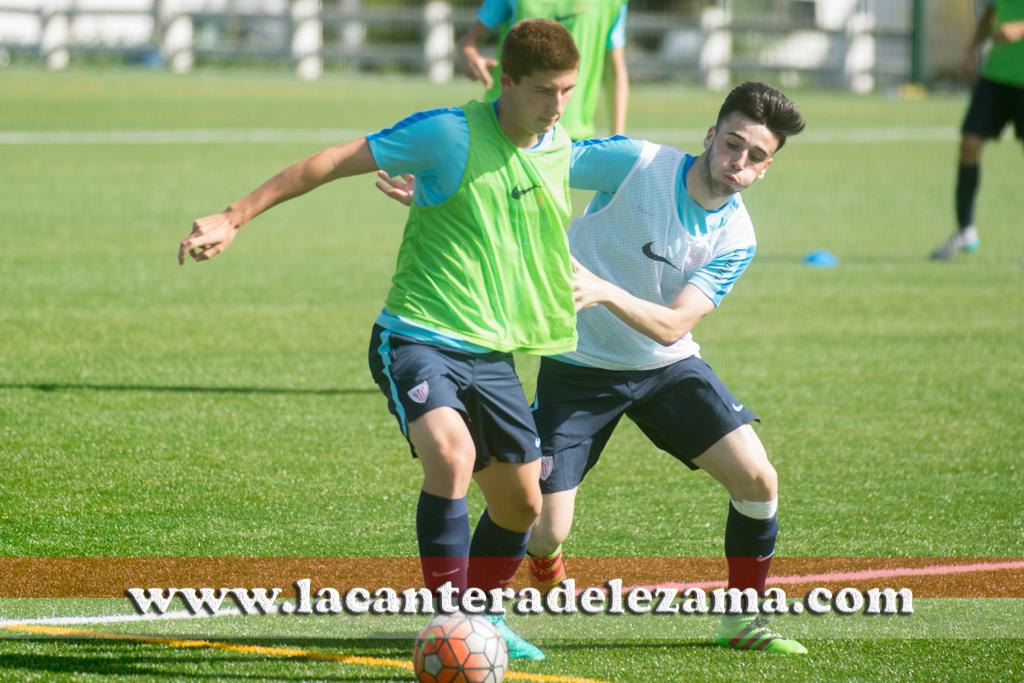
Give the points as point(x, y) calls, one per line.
point(562, 18)
point(649, 253)
point(519, 194)
point(438, 575)
point(737, 407)
point(764, 558)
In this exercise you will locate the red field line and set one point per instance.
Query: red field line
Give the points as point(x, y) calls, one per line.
point(106, 577)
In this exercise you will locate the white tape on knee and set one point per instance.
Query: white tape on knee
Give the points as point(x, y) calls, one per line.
point(756, 509)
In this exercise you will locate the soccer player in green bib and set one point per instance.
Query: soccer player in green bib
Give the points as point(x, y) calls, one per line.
point(998, 98)
point(483, 271)
point(599, 29)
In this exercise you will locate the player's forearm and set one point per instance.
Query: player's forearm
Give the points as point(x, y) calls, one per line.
point(476, 34)
point(620, 91)
point(983, 31)
point(350, 158)
point(469, 44)
point(663, 324)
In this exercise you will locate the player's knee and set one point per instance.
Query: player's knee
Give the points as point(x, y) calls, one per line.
point(760, 483)
point(767, 482)
point(970, 150)
point(459, 462)
point(532, 507)
point(447, 471)
point(519, 514)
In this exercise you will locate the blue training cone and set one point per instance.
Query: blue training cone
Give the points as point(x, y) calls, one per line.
point(822, 258)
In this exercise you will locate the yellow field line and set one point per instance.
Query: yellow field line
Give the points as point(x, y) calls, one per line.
point(267, 651)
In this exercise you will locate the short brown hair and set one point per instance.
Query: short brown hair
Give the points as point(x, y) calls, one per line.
point(538, 45)
point(765, 105)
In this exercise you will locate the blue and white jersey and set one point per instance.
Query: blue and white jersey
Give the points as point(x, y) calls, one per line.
point(495, 13)
point(602, 165)
point(651, 243)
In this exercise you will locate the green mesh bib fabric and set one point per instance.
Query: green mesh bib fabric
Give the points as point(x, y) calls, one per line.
point(589, 22)
point(1005, 63)
point(491, 263)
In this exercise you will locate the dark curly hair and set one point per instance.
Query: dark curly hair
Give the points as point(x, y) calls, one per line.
point(763, 104)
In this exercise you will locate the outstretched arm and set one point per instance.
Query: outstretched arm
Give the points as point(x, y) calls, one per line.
point(212, 234)
point(664, 324)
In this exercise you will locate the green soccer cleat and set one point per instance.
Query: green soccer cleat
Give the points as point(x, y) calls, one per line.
point(518, 647)
point(751, 632)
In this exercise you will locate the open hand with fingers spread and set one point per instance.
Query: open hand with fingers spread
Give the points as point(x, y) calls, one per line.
point(210, 235)
point(400, 188)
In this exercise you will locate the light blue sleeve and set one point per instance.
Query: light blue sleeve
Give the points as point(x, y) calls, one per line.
point(494, 13)
point(432, 145)
point(617, 36)
point(717, 278)
point(602, 164)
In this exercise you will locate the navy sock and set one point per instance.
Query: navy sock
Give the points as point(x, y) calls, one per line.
point(967, 179)
point(749, 545)
point(442, 529)
point(495, 554)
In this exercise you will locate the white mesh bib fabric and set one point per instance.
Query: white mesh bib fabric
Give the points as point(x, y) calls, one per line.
point(638, 243)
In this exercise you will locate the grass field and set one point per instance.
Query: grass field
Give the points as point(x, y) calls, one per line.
point(225, 409)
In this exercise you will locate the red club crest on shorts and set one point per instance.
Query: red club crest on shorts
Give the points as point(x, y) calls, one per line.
point(546, 463)
point(420, 392)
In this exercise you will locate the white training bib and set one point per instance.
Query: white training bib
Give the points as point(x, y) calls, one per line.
point(638, 243)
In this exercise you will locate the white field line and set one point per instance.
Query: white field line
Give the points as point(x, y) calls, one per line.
point(824, 135)
point(174, 137)
point(934, 570)
point(333, 135)
point(118, 618)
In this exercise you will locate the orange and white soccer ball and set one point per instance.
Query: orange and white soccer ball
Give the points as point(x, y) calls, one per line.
point(460, 648)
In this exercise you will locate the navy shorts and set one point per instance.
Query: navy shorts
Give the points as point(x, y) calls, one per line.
point(683, 409)
point(418, 377)
point(993, 105)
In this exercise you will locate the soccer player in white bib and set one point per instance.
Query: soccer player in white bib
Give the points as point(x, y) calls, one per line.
point(663, 241)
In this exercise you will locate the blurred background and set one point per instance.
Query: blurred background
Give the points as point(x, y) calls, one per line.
point(858, 45)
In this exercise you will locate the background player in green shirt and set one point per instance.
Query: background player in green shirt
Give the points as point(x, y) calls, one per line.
point(599, 29)
point(998, 98)
point(483, 270)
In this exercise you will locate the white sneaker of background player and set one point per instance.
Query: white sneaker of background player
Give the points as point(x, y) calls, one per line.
point(962, 241)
